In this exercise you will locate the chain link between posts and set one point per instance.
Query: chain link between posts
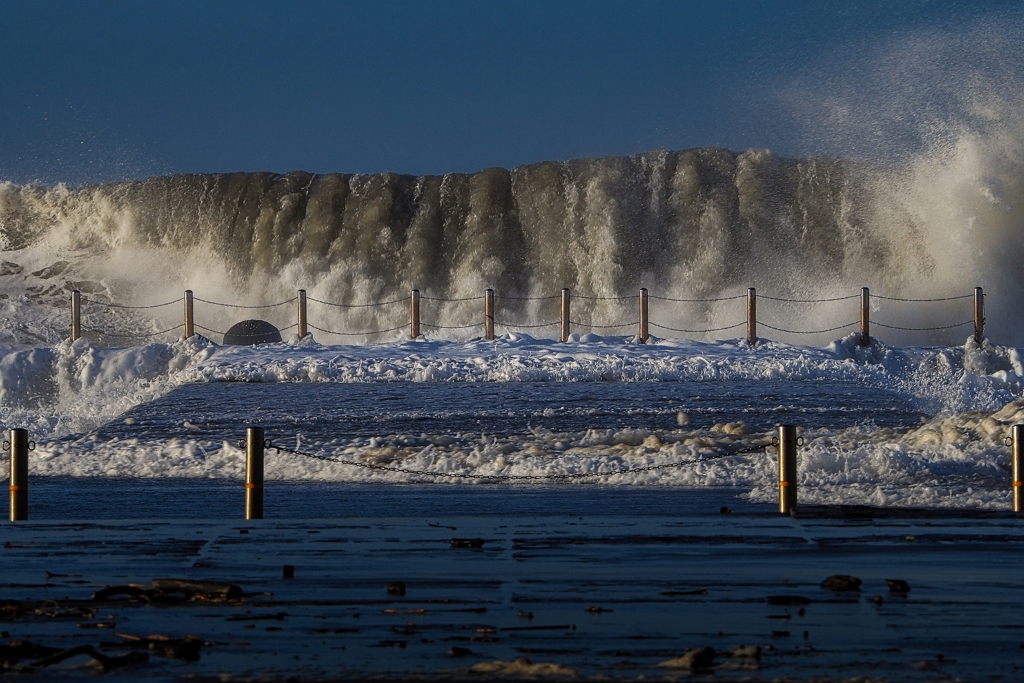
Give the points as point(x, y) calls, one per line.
point(541, 325)
point(519, 477)
point(370, 305)
point(261, 306)
point(831, 329)
point(137, 308)
point(922, 329)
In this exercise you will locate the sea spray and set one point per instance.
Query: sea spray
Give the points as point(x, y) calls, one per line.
point(694, 224)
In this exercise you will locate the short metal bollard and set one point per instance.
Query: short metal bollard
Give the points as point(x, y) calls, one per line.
point(787, 442)
point(255, 447)
point(1017, 467)
point(19, 446)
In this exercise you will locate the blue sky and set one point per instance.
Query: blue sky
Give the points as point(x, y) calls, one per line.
point(100, 91)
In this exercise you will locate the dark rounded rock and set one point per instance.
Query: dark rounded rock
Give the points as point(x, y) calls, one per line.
point(841, 582)
point(396, 588)
point(249, 332)
point(898, 586)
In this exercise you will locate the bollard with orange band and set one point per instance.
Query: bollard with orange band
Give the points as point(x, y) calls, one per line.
point(787, 443)
point(1017, 467)
point(19, 446)
point(254, 450)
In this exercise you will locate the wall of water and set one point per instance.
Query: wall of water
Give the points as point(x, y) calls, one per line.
point(699, 223)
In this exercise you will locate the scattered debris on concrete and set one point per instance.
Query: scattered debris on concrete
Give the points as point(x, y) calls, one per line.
point(172, 590)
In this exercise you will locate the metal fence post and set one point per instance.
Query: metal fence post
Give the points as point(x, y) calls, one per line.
point(751, 316)
point(787, 443)
point(865, 317)
point(189, 320)
point(643, 315)
point(76, 315)
point(302, 314)
point(979, 315)
point(19, 447)
point(563, 334)
point(1017, 467)
point(254, 452)
point(489, 314)
point(414, 314)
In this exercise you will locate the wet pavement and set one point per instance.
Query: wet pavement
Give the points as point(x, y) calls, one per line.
point(586, 595)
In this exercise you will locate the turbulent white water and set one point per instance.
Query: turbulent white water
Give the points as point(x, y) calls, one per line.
point(955, 459)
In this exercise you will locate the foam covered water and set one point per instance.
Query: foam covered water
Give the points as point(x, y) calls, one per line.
point(917, 426)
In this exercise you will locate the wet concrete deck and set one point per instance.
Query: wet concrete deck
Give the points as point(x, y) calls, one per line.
point(660, 585)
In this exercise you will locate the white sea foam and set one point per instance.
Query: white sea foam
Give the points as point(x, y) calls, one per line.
point(956, 459)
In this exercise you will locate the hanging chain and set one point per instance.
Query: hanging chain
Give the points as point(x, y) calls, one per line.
point(522, 477)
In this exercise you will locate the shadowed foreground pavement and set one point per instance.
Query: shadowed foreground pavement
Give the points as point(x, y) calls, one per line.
point(591, 596)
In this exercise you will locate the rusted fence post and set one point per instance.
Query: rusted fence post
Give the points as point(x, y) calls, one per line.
point(414, 314)
point(865, 317)
point(189, 320)
point(751, 316)
point(979, 315)
point(564, 331)
point(76, 315)
point(489, 314)
point(643, 315)
point(302, 314)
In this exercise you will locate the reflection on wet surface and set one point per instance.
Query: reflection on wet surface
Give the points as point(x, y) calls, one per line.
point(603, 595)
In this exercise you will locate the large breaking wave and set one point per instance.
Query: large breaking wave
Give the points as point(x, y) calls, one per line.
point(699, 223)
